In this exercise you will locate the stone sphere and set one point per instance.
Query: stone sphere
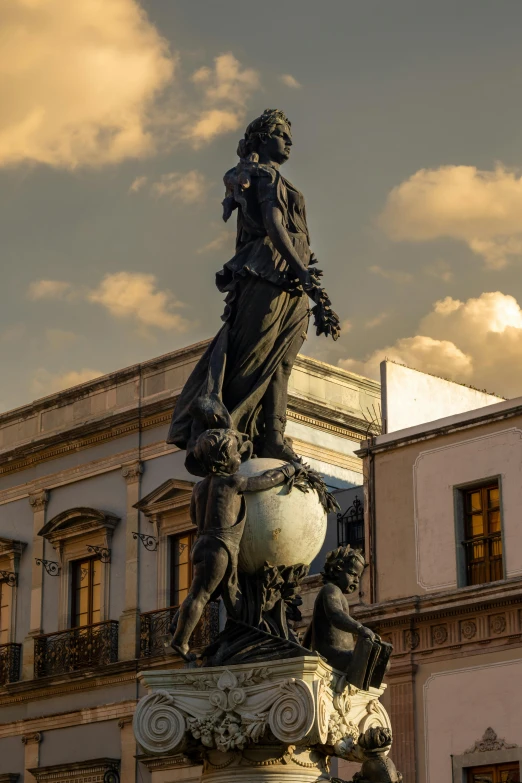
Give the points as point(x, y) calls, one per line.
point(282, 527)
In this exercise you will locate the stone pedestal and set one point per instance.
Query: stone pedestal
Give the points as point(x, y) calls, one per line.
point(282, 719)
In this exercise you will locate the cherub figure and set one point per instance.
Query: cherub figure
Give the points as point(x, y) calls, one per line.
point(218, 508)
point(332, 630)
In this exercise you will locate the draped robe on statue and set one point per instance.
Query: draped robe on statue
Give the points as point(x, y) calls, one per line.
point(265, 319)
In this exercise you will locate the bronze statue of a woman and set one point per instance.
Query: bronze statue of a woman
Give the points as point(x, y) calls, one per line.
point(241, 381)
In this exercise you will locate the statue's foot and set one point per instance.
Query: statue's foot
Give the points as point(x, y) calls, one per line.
point(183, 651)
point(280, 450)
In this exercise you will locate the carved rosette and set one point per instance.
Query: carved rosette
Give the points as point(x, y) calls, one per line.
point(236, 713)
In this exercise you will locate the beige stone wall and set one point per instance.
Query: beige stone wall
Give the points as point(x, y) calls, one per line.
point(414, 504)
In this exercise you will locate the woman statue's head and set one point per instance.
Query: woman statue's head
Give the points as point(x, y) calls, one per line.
point(269, 136)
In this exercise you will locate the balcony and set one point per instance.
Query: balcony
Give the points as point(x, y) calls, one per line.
point(10, 663)
point(350, 526)
point(75, 649)
point(154, 630)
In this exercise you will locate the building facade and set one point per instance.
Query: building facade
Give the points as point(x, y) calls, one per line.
point(444, 539)
point(95, 537)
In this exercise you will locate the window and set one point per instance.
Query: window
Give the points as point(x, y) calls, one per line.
point(499, 773)
point(181, 571)
point(483, 535)
point(5, 612)
point(86, 586)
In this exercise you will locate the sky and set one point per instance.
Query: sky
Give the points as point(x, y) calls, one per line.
point(118, 119)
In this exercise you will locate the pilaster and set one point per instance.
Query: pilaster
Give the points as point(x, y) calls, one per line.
point(38, 502)
point(32, 753)
point(128, 750)
point(129, 620)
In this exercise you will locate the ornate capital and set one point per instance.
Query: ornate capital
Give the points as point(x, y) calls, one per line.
point(38, 500)
point(232, 710)
point(132, 472)
point(32, 739)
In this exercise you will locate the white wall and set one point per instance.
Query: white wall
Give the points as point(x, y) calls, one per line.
point(435, 474)
point(410, 397)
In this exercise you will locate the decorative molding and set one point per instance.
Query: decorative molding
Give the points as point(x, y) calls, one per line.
point(77, 522)
point(132, 472)
point(38, 501)
point(104, 770)
point(490, 741)
point(172, 495)
point(229, 710)
point(88, 470)
point(32, 739)
point(9, 777)
point(11, 547)
point(122, 711)
point(26, 691)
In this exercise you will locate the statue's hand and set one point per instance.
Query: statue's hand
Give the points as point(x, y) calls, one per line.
point(366, 633)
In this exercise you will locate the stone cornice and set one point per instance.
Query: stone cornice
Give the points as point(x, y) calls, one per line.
point(58, 426)
point(80, 771)
point(10, 546)
point(448, 625)
point(429, 433)
point(120, 673)
point(27, 727)
point(447, 603)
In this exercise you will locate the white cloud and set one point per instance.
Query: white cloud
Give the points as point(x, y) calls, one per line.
point(44, 382)
point(439, 357)
point(226, 89)
point(133, 295)
point(227, 82)
point(213, 123)
point(290, 81)
point(396, 275)
point(126, 295)
point(49, 289)
point(478, 341)
point(78, 80)
point(480, 208)
point(188, 187)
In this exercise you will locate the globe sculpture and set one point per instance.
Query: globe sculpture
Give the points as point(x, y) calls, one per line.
point(282, 525)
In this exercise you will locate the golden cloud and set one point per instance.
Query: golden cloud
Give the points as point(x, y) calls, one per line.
point(77, 81)
point(478, 341)
point(479, 208)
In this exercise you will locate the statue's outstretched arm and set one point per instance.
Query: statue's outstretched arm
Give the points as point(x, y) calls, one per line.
point(268, 479)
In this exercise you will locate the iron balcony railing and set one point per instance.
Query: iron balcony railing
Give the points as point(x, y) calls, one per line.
point(350, 526)
point(154, 629)
point(10, 655)
point(77, 648)
point(484, 559)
